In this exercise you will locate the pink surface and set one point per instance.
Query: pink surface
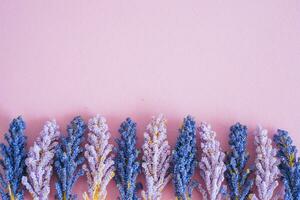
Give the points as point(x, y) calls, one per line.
point(220, 62)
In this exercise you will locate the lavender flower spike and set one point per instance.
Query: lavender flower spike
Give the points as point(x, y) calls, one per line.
point(100, 165)
point(68, 158)
point(156, 158)
point(289, 165)
point(39, 162)
point(212, 166)
point(12, 161)
point(266, 163)
point(126, 163)
point(236, 175)
point(184, 159)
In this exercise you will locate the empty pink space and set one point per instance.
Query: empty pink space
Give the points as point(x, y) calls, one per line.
point(220, 61)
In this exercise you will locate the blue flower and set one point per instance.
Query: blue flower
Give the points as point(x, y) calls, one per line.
point(289, 165)
point(126, 163)
point(184, 159)
point(236, 175)
point(68, 157)
point(12, 161)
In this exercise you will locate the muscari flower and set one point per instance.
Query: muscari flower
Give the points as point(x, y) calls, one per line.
point(289, 165)
point(212, 166)
point(236, 174)
point(39, 162)
point(68, 158)
point(184, 159)
point(266, 163)
point(126, 163)
point(156, 158)
point(12, 161)
point(100, 165)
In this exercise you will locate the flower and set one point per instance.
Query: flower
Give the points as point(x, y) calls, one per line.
point(68, 158)
point(12, 161)
point(266, 163)
point(184, 159)
point(156, 158)
point(126, 163)
point(39, 162)
point(289, 164)
point(100, 165)
point(212, 166)
point(236, 175)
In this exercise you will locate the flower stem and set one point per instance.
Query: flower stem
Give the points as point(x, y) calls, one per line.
point(11, 195)
point(96, 192)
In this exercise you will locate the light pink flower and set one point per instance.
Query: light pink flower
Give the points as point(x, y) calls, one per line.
point(39, 162)
point(100, 165)
point(212, 166)
point(156, 158)
point(266, 164)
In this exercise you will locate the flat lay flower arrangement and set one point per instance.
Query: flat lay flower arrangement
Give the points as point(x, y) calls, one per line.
point(86, 150)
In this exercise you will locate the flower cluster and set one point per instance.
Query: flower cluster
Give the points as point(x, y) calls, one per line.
point(184, 159)
point(266, 163)
point(156, 158)
point(212, 166)
point(126, 163)
point(39, 162)
point(12, 161)
point(100, 165)
point(236, 175)
point(33, 170)
point(67, 159)
point(289, 165)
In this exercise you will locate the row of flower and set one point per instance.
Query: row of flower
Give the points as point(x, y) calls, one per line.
point(223, 176)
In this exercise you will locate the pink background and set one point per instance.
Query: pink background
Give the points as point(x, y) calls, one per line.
point(221, 62)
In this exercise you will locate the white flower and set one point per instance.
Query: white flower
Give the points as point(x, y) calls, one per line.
point(266, 163)
point(39, 162)
point(100, 165)
point(156, 158)
point(212, 166)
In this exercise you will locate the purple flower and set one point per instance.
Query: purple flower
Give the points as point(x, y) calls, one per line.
point(184, 159)
point(236, 174)
point(12, 161)
point(126, 161)
point(289, 164)
point(68, 158)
